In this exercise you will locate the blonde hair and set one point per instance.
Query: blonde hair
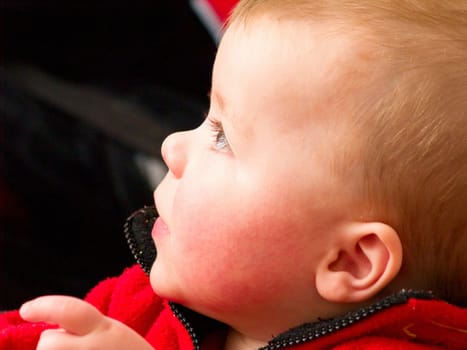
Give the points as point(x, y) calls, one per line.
point(410, 129)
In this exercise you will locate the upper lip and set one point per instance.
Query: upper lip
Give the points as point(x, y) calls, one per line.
point(159, 212)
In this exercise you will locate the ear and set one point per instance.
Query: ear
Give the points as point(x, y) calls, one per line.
point(365, 258)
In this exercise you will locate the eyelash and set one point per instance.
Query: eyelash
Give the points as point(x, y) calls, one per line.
point(220, 141)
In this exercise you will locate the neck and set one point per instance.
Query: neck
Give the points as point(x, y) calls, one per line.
point(238, 341)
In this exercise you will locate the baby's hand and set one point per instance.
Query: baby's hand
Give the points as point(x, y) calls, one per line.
point(82, 326)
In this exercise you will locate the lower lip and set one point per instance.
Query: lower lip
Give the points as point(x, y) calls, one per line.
point(159, 228)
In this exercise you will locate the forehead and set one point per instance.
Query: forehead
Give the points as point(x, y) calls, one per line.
point(286, 63)
point(280, 44)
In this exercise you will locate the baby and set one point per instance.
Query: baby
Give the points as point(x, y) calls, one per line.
point(319, 202)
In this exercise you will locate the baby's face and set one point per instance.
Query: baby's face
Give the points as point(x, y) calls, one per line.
point(249, 205)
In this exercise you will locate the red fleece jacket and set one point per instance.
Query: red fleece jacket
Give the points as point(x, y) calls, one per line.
point(414, 324)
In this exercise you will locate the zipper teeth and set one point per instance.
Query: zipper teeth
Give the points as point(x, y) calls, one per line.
point(186, 324)
point(137, 253)
point(140, 253)
point(327, 327)
point(318, 332)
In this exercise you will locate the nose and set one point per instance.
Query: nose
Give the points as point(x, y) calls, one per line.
point(174, 152)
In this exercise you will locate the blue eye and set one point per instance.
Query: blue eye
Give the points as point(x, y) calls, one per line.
point(220, 141)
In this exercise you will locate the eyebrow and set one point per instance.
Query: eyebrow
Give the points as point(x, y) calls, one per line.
point(220, 103)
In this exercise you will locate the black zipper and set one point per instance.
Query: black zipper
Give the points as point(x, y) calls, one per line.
point(313, 331)
point(186, 324)
point(137, 229)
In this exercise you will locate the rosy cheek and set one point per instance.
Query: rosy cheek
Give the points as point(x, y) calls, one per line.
point(191, 219)
point(200, 198)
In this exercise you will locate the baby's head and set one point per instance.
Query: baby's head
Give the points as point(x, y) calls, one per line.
point(400, 96)
point(330, 168)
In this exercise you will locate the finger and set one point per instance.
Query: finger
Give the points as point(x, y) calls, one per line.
point(72, 314)
point(54, 339)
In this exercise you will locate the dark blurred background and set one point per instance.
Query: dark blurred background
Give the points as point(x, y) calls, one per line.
point(66, 183)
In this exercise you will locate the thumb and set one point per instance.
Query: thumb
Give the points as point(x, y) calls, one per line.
point(72, 314)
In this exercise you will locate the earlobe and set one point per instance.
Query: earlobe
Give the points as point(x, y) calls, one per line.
point(366, 257)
